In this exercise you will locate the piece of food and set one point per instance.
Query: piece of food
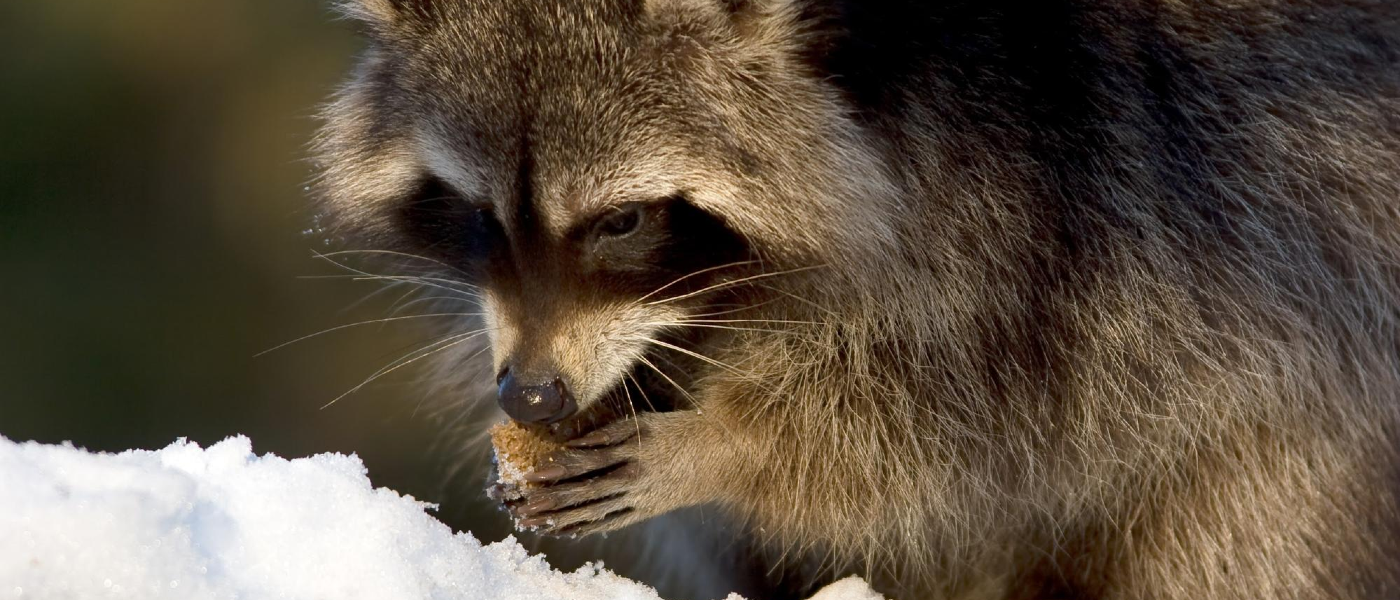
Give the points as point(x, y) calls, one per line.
point(519, 449)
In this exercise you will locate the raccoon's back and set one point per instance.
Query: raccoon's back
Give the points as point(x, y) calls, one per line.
point(1241, 149)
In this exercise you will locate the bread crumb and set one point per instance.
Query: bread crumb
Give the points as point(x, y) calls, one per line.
point(520, 449)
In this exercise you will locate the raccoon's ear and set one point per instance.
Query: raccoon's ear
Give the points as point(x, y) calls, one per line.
point(733, 7)
point(387, 13)
point(740, 18)
point(762, 22)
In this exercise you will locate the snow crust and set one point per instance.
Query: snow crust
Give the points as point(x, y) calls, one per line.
point(223, 523)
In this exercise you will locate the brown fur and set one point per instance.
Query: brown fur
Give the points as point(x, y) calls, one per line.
point(1074, 299)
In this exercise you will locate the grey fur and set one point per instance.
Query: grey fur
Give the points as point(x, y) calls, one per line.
point(1147, 351)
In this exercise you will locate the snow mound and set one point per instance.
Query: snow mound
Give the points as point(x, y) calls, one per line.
point(222, 523)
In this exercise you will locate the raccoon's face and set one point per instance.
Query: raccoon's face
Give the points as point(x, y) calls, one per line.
point(598, 169)
point(572, 302)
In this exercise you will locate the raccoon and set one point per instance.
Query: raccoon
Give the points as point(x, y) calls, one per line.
point(976, 299)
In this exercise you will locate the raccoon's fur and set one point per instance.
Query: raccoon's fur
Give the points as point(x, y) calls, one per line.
point(976, 298)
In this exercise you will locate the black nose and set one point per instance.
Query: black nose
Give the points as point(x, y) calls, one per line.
point(547, 403)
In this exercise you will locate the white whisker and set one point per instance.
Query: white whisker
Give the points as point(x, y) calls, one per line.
point(697, 355)
point(399, 254)
point(435, 282)
point(689, 275)
point(628, 393)
point(370, 322)
point(442, 345)
point(425, 300)
point(680, 324)
point(727, 284)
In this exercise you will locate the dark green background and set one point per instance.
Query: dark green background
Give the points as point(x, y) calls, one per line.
point(152, 164)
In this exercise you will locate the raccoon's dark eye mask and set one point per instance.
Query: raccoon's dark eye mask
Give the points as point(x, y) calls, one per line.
point(636, 244)
point(438, 220)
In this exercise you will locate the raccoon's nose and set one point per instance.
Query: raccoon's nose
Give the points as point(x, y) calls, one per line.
point(541, 403)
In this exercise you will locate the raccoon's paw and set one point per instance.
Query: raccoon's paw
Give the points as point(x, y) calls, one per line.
point(600, 482)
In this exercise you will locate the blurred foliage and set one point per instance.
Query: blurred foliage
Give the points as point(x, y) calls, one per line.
point(151, 209)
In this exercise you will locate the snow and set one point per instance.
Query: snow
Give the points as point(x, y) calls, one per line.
point(223, 523)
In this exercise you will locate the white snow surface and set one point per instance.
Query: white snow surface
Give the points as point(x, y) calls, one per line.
point(223, 523)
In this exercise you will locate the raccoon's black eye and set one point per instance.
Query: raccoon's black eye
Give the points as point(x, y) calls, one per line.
point(622, 222)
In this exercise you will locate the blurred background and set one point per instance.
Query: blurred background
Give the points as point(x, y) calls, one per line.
point(152, 165)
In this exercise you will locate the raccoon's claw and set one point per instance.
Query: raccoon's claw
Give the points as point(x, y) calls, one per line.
point(586, 488)
point(578, 494)
point(605, 515)
point(601, 512)
point(596, 451)
point(608, 436)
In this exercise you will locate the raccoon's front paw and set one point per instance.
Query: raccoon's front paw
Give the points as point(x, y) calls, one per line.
point(600, 482)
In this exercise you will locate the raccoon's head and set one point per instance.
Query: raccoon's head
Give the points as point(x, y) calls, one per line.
point(600, 170)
